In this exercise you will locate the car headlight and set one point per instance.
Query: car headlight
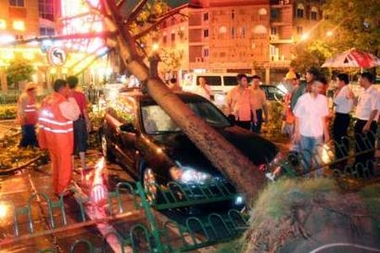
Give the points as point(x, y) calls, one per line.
point(188, 175)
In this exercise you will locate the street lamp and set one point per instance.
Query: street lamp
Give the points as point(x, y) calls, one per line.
point(154, 60)
point(304, 36)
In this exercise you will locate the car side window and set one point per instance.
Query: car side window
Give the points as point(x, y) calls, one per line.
point(125, 112)
point(155, 120)
point(209, 114)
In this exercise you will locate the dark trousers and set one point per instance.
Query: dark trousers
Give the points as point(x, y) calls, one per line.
point(256, 128)
point(360, 145)
point(80, 135)
point(339, 132)
point(28, 136)
point(244, 124)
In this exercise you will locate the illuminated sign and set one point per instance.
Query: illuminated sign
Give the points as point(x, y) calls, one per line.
point(77, 19)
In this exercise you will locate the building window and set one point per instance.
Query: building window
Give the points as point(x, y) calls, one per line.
point(259, 29)
point(19, 25)
point(232, 32)
point(205, 16)
point(173, 37)
point(47, 31)
point(164, 39)
point(18, 3)
point(233, 14)
point(300, 11)
point(299, 30)
point(274, 13)
point(3, 24)
point(314, 14)
point(273, 30)
point(243, 31)
point(46, 9)
point(262, 14)
point(205, 33)
point(206, 52)
point(19, 37)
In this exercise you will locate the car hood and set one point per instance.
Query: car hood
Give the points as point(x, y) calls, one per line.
point(181, 150)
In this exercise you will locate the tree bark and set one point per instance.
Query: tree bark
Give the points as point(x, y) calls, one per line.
point(224, 156)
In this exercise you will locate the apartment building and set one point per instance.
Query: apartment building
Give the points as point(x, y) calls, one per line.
point(251, 36)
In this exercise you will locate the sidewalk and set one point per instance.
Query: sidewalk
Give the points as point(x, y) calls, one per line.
point(57, 223)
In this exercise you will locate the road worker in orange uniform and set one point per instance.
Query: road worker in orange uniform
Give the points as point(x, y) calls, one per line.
point(57, 113)
point(27, 116)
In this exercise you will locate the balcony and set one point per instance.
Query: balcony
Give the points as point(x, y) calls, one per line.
point(280, 3)
point(275, 39)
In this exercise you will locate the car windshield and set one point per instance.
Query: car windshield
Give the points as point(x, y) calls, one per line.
point(156, 121)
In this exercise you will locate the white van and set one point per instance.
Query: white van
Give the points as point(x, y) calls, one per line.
point(220, 83)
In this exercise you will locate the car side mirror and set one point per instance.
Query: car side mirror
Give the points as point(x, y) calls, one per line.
point(128, 127)
point(231, 119)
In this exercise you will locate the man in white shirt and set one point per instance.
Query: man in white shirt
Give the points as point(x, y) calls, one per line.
point(311, 129)
point(203, 89)
point(343, 102)
point(366, 114)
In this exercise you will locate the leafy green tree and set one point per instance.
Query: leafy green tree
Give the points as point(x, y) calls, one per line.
point(310, 54)
point(19, 70)
point(355, 24)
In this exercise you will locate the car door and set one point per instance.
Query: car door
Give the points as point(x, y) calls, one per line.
point(126, 134)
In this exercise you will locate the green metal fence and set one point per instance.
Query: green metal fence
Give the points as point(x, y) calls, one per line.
point(326, 159)
point(150, 236)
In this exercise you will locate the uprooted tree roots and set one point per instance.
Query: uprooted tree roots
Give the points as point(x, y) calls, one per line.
point(302, 215)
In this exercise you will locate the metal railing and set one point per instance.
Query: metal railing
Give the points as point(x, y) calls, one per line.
point(46, 216)
point(338, 158)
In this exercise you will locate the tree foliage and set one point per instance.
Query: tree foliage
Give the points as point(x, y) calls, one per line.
point(356, 24)
point(309, 54)
point(19, 70)
point(353, 24)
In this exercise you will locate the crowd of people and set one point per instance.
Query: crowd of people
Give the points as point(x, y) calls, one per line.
point(307, 118)
point(307, 115)
point(64, 122)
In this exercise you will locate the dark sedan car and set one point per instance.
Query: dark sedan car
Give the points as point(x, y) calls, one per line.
point(153, 149)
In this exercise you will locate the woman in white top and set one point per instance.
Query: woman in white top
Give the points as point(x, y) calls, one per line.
point(343, 102)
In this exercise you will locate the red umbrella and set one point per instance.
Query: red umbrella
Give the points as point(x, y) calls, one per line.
point(352, 58)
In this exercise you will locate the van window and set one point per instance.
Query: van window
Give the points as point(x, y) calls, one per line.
point(232, 81)
point(212, 80)
point(229, 80)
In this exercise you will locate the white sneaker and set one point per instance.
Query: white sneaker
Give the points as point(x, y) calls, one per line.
point(270, 176)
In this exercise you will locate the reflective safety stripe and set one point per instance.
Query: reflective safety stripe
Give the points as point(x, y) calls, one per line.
point(56, 130)
point(29, 110)
point(58, 123)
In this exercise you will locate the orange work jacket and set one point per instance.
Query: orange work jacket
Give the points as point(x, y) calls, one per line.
point(30, 111)
point(55, 131)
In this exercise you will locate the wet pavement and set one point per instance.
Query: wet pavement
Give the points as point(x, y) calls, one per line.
point(33, 219)
point(53, 222)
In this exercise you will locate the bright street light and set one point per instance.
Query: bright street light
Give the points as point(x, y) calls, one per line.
point(305, 36)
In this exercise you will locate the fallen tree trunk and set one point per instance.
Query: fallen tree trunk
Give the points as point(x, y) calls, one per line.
point(245, 176)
